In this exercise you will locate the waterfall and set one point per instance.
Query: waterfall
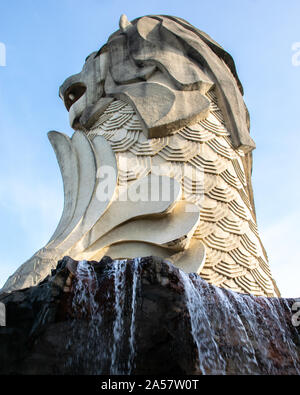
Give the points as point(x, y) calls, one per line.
point(233, 333)
point(93, 347)
point(85, 341)
point(119, 275)
point(118, 328)
point(135, 286)
point(250, 328)
point(203, 333)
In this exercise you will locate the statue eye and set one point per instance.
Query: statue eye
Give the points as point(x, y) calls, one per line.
point(73, 93)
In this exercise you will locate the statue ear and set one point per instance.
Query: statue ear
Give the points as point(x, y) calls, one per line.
point(124, 23)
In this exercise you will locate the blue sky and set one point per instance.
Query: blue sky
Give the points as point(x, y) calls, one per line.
point(46, 41)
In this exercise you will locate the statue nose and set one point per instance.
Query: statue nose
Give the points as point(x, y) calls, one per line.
point(72, 90)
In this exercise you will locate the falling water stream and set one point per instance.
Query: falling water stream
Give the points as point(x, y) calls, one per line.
point(119, 268)
point(233, 333)
point(119, 274)
point(135, 286)
point(201, 328)
point(86, 337)
point(251, 328)
point(90, 348)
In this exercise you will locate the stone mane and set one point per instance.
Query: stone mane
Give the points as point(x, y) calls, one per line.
point(162, 56)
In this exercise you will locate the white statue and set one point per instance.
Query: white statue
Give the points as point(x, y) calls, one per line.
point(160, 162)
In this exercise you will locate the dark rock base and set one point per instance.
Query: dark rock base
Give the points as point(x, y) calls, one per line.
point(47, 334)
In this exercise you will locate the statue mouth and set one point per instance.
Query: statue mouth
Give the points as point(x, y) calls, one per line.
point(73, 94)
point(77, 107)
point(81, 113)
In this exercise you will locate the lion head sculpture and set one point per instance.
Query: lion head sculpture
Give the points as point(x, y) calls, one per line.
point(157, 57)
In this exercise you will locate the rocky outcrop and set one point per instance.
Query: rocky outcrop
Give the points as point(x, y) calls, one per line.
point(143, 316)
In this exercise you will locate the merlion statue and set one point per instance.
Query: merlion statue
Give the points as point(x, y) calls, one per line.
point(160, 161)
